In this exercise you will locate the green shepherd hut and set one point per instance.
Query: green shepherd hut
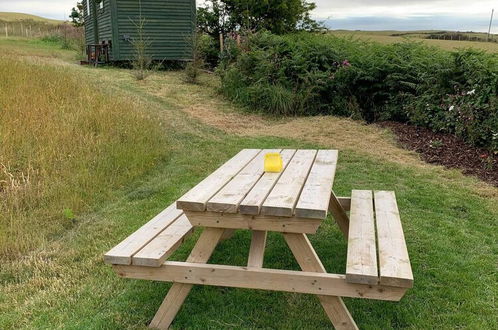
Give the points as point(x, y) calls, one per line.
point(111, 28)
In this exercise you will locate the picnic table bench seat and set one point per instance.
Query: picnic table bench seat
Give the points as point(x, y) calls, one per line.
point(378, 241)
point(377, 252)
point(154, 242)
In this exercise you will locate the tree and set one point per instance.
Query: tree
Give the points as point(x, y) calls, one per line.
point(142, 61)
point(194, 67)
point(276, 16)
point(77, 17)
point(214, 19)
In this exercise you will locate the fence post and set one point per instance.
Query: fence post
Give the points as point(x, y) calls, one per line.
point(6, 31)
point(221, 42)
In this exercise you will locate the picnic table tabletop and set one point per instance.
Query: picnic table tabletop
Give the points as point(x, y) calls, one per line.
point(302, 189)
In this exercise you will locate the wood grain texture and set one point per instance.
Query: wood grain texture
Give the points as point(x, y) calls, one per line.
point(260, 278)
point(163, 245)
point(179, 291)
point(345, 202)
point(283, 198)
point(122, 253)
point(255, 198)
point(257, 249)
point(308, 260)
point(261, 222)
point(361, 264)
point(339, 214)
point(315, 196)
point(227, 234)
point(394, 262)
point(197, 198)
point(229, 197)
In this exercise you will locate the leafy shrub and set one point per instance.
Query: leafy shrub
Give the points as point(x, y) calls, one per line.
point(67, 36)
point(142, 60)
point(309, 74)
point(194, 67)
point(209, 50)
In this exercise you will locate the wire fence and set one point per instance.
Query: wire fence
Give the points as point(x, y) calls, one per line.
point(34, 29)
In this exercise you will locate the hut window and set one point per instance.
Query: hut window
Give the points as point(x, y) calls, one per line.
point(101, 4)
point(88, 7)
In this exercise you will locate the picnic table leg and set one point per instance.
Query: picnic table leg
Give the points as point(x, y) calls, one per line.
point(257, 249)
point(178, 292)
point(339, 214)
point(227, 234)
point(308, 261)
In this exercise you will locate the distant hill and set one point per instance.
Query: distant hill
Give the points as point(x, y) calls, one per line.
point(13, 17)
point(448, 40)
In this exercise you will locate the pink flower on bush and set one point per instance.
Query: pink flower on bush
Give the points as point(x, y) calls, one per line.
point(346, 63)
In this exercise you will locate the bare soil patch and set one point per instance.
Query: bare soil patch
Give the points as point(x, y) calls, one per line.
point(447, 150)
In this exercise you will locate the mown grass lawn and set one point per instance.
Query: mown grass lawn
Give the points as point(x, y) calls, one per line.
point(450, 226)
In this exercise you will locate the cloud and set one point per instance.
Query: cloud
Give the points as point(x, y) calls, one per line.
point(467, 23)
point(57, 9)
point(359, 12)
point(406, 8)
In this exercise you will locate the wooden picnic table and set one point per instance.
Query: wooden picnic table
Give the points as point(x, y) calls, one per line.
point(294, 202)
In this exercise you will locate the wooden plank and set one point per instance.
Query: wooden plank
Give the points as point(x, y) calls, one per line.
point(253, 201)
point(345, 202)
point(259, 278)
point(361, 265)
point(308, 260)
point(229, 197)
point(304, 253)
point(179, 291)
point(339, 215)
point(241, 221)
point(338, 313)
point(257, 249)
point(121, 254)
point(315, 196)
point(196, 198)
point(205, 245)
point(227, 234)
point(284, 195)
point(164, 244)
point(394, 262)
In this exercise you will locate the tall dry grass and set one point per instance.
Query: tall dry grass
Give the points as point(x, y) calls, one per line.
point(64, 148)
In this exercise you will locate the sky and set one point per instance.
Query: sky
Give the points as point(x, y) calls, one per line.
point(462, 15)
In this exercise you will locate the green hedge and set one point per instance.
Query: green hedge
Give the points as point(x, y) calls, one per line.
point(309, 74)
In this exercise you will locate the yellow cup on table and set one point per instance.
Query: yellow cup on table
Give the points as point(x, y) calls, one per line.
point(273, 162)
